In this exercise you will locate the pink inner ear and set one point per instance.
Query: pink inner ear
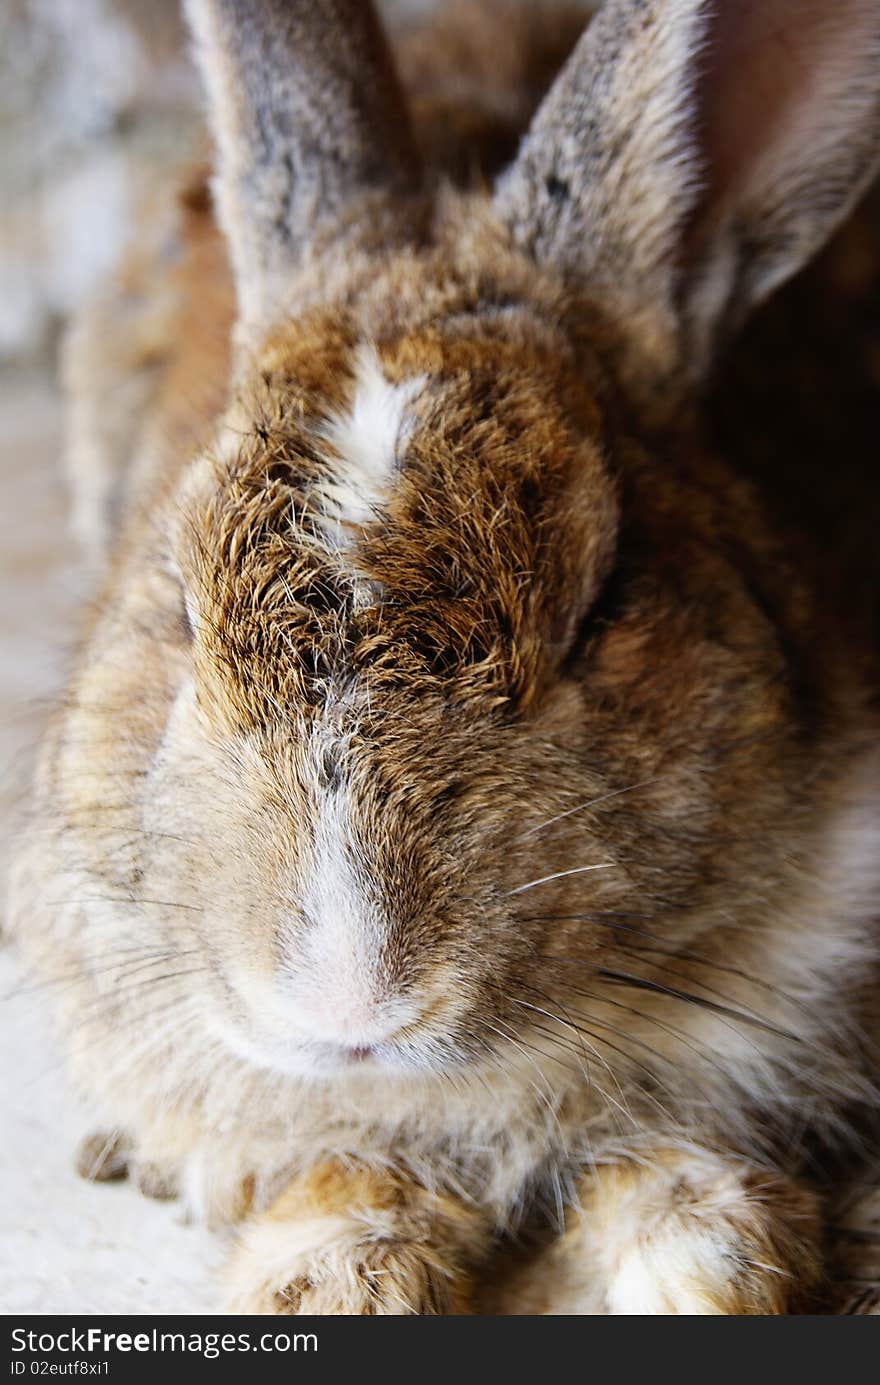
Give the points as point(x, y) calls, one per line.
point(773, 74)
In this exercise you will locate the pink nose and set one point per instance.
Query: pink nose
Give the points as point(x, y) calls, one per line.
point(353, 1022)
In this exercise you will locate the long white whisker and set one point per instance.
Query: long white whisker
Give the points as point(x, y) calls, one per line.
point(590, 803)
point(559, 874)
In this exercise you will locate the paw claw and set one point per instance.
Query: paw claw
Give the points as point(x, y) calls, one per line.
point(103, 1157)
point(107, 1156)
point(155, 1182)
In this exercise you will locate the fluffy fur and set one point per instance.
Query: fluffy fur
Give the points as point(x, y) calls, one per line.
point(465, 812)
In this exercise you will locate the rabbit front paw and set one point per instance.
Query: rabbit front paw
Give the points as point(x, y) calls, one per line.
point(684, 1231)
point(351, 1241)
point(385, 1278)
point(109, 1156)
point(213, 1191)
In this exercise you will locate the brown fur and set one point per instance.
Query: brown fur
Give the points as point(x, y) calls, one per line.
point(602, 747)
point(762, 1227)
point(413, 1248)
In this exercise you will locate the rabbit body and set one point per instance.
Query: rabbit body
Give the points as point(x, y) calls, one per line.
point(465, 813)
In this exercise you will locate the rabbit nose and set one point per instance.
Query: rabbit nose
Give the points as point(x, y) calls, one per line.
point(353, 1021)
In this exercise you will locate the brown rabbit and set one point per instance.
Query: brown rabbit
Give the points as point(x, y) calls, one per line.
point(465, 815)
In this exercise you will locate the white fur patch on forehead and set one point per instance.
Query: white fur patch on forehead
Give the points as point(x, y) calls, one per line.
point(366, 440)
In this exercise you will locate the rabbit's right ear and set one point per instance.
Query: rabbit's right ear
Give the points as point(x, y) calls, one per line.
point(311, 132)
point(691, 156)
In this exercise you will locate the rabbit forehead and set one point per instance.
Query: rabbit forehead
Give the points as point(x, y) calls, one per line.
point(388, 509)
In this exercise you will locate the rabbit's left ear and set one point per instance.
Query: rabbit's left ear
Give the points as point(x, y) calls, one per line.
point(693, 155)
point(313, 138)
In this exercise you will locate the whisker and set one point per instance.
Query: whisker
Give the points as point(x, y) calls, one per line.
point(607, 1097)
point(590, 803)
point(149, 1013)
point(702, 1051)
point(582, 1035)
point(130, 900)
point(140, 958)
point(586, 1048)
point(544, 1095)
point(560, 874)
point(628, 1038)
point(643, 1092)
point(642, 983)
point(143, 984)
point(603, 919)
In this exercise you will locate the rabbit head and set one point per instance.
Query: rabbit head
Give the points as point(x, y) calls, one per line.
point(453, 663)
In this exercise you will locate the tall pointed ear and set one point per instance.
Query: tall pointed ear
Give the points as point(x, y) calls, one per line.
point(691, 156)
point(311, 132)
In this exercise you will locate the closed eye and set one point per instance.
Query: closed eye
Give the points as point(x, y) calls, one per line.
point(186, 620)
point(178, 602)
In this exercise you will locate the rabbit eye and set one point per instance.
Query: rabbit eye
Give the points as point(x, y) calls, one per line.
point(187, 615)
point(185, 612)
point(179, 614)
point(186, 623)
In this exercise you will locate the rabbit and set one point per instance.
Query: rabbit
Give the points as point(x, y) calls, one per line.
point(461, 829)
